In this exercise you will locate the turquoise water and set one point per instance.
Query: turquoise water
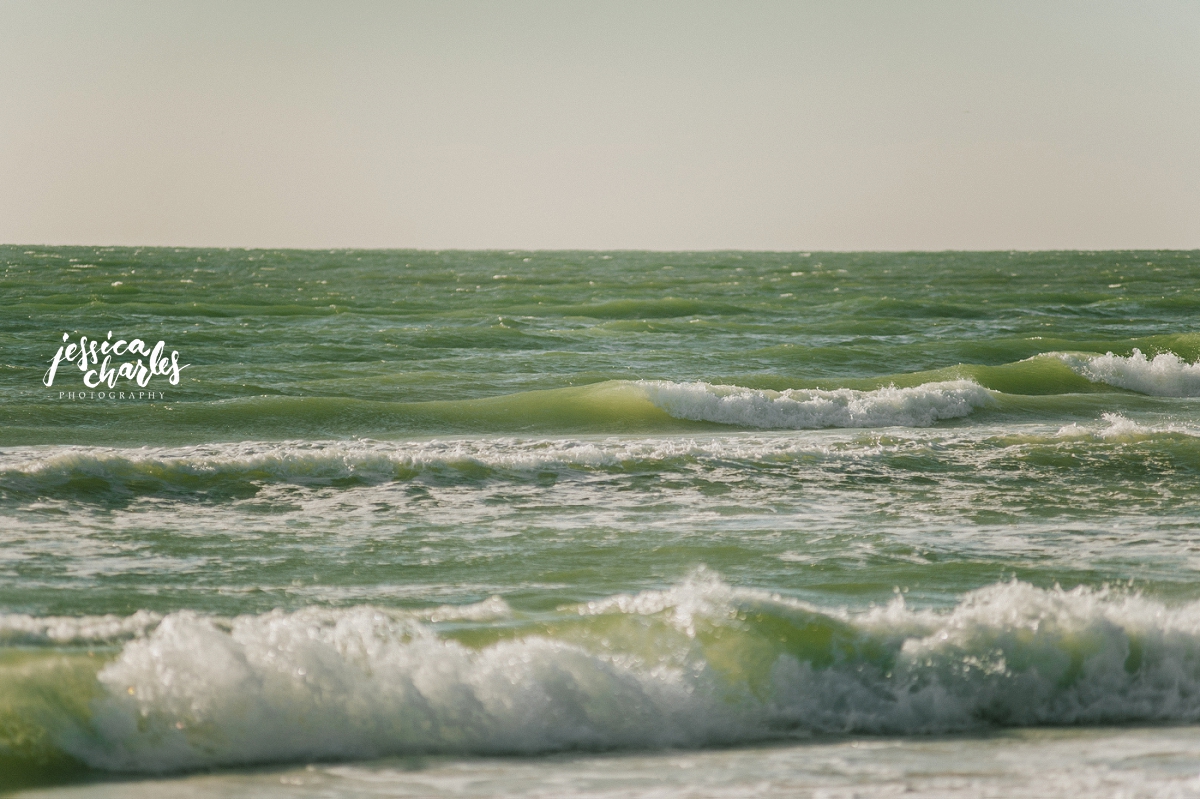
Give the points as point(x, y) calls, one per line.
point(457, 505)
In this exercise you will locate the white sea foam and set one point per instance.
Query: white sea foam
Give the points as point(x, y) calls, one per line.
point(917, 406)
point(319, 463)
point(279, 687)
point(34, 469)
point(1121, 427)
point(698, 664)
point(22, 629)
point(1164, 375)
point(1117, 427)
point(237, 467)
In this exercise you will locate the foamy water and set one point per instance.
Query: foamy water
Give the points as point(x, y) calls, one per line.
point(1164, 375)
point(699, 664)
point(919, 406)
point(603, 524)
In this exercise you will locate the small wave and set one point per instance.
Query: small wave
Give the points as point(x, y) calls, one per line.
point(1164, 375)
point(698, 664)
point(231, 472)
point(237, 470)
point(917, 406)
point(224, 471)
point(1118, 427)
point(17, 629)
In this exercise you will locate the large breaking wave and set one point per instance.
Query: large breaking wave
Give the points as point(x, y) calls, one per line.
point(697, 664)
point(1164, 375)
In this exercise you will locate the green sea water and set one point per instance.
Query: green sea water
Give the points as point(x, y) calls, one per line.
point(454, 505)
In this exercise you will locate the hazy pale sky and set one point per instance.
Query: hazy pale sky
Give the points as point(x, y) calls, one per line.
point(689, 125)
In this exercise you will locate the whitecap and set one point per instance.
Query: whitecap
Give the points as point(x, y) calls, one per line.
point(916, 406)
point(1164, 375)
point(700, 663)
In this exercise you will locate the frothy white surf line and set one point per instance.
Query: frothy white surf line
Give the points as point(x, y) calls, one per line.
point(21, 629)
point(696, 664)
point(1164, 375)
point(918, 406)
point(1117, 427)
point(322, 463)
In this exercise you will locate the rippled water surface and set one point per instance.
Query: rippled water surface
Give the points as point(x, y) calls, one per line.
point(467, 523)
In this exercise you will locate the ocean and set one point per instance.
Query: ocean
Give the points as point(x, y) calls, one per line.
point(727, 524)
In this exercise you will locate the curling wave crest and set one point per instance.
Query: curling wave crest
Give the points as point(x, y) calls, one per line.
point(697, 664)
point(1164, 375)
point(917, 406)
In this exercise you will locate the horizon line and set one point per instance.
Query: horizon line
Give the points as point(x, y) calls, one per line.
point(438, 250)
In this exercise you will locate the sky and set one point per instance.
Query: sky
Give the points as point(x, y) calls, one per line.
point(606, 125)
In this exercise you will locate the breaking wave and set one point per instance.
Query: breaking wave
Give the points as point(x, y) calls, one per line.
point(701, 663)
point(917, 406)
point(1164, 375)
point(233, 471)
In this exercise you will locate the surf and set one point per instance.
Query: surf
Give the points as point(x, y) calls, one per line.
point(696, 664)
